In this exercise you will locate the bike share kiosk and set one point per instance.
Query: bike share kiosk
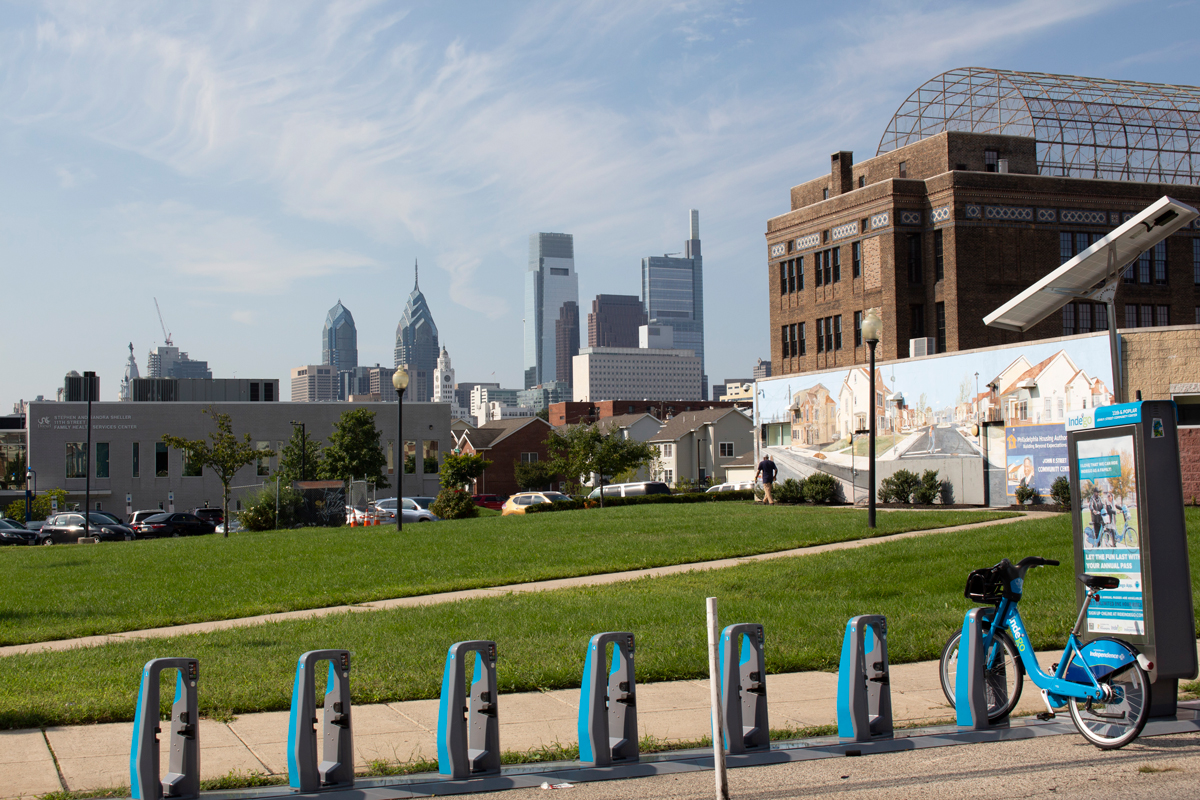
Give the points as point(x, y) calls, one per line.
point(608, 731)
point(336, 769)
point(744, 689)
point(183, 779)
point(468, 735)
point(1127, 492)
point(970, 692)
point(864, 699)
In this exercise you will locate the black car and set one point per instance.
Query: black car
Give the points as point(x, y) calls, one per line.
point(214, 515)
point(173, 524)
point(68, 529)
point(13, 532)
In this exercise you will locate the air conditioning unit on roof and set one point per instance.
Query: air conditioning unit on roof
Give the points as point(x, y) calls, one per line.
point(925, 346)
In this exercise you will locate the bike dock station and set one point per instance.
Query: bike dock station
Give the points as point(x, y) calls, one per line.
point(183, 779)
point(336, 769)
point(608, 730)
point(744, 689)
point(864, 698)
point(970, 702)
point(468, 736)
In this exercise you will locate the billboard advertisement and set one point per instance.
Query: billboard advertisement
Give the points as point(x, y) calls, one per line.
point(927, 409)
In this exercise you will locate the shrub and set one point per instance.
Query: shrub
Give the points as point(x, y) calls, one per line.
point(899, 487)
point(822, 488)
point(454, 504)
point(258, 510)
point(789, 491)
point(1026, 493)
point(928, 489)
point(1060, 490)
point(612, 502)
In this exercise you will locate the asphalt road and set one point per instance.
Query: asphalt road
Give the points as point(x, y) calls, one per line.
point(1056, 766)
point(940, 441)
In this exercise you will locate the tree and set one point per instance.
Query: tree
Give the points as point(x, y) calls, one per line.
point(459, 469)
point(544, 414)
point(581, 450)
point(301, 450)
point(354, 452)
point(40, 507)
point(225, 455)
point(533, 475)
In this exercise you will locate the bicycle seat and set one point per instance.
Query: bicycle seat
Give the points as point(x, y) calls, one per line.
point(1100, 581)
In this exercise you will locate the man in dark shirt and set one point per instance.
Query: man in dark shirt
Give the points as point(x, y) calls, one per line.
point(766, 468)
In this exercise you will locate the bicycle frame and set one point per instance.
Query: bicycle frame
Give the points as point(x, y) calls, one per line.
point(1009, 617)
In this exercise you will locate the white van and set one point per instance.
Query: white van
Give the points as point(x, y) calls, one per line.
point(631, 489)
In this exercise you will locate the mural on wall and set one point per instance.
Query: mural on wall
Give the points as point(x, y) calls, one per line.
point(929, 409)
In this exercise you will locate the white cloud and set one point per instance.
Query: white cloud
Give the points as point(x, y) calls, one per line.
point(71, 176)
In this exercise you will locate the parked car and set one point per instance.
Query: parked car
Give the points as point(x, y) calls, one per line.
point(519, 502)
point(631, 489)
point(13, 532)
point(413, 512)
point(731, 487)
point(423, 502)
point(234, 527)
point(112, 525)
point(214, 515)
point(69, 528)
point(99, 516)
point(173, 524)
point(492, 501)
point(140, 516)
point(385, 509)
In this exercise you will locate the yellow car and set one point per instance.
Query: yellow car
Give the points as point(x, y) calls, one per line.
point(519, 502)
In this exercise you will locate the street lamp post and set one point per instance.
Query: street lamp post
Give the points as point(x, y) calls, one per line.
point(870, 334)
point(303, 450)
point(400, 381)
point(88, 379)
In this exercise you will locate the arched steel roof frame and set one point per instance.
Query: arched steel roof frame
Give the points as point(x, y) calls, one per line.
point(1083, 127)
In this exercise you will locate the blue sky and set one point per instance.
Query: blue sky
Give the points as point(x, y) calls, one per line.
point(251, 163)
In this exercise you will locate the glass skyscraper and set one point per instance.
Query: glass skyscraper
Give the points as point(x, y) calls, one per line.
point(673, 295)
point(417, 345)
point(550, 281)
point(339, 343)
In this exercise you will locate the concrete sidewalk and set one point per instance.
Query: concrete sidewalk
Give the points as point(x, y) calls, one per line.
point(89, 757)
point(493, 591)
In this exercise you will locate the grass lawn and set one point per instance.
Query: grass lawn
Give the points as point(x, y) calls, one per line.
point(66, 591)
point(804, 603)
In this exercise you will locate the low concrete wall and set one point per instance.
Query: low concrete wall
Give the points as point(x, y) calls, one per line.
point(965, 474)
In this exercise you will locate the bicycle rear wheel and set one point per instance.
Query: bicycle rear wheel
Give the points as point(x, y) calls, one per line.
point(1117, 722)
point(1003, 682)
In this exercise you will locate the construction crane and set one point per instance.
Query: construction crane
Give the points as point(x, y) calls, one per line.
point(166, 333)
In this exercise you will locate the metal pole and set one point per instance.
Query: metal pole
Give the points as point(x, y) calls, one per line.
point(87, 469)
point(28, 491)
point(722, 781)
point(402, 463)
point(1114, 346)
point(303, 452)
point(871, 443)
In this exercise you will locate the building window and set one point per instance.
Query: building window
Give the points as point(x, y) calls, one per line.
point(1146, 315)
point(1143, 263)
point(1066, 247)
point(254, 391)
point(856, 259)
point(792, 333)
point(1162, 316)
point(262, 464)
point(800, 274)
point(837, 264)
point(391, 456)
point(101, 459)
point(862, 181)
point(410, 457)
point(858, 329)
point(1196, 261)
point(1069, 319)
point(1085, 317)
point(194, 469)
point(668, 450)
point(792, 275)
point(783, 338)
point(914, 258)
point(137, 461)
point(800, 332)
point(825, 195)
point(903, 169)
point(529, 458)
point(726, 449)
point(783, 277)
point(1159, 259)
point(829, 334)
point(820, 336)
point(940, 311)
point(991, 160)
point(939, 265)
point(668, 475)
point(917, 315)
point(1198, 310)
point(76, 459)
point(160, 460)
point(1101, 317)
point(1130, 315)
point(837, 332)
point(269, 392)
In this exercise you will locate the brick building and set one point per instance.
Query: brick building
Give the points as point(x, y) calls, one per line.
point(505, 442)
point(949, 225)
point(573, 413)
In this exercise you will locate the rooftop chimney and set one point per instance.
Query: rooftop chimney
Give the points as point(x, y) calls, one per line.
point(840, 168)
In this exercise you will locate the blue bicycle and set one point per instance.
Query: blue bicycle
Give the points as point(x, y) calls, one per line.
point(1104, 684)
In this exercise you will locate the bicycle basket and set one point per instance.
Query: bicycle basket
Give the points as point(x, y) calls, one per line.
point(985, 585)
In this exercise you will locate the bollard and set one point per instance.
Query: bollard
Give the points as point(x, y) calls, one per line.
point(970, 695)
point(183, 779)
point(608, 729)
point(336, 769)
point(864, 702)
point(468, 727)
point(744, 689)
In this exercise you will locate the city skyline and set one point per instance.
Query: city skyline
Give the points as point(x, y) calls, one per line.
point(249, 166)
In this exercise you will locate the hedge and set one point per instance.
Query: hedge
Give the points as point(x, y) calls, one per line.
point(685, 497)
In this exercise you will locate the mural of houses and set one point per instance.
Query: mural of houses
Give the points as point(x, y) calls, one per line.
point(853, 402)
point(814, 417)
point(1047, 391)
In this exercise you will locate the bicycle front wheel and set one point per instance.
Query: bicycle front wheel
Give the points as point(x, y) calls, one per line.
point(1002, 682)
point(1115, 722)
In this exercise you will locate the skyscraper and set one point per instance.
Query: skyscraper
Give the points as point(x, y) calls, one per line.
point(566, 340)
point(614, 320)
point(170, 362)
point(550, 281)
point(339, 346)
point(673, 295)
point(417, 345)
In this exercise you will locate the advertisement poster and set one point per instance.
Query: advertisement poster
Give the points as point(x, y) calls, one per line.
point(1037, 454)
point(1108, 488)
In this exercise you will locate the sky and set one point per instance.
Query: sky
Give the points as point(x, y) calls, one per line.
point(249, 164)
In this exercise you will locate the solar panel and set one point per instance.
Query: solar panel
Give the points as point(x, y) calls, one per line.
point(1086, 275)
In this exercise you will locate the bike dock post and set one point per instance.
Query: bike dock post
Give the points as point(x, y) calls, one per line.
point(864, 699)
point(970, 695)
point(183, 778)
point(336, 769)
point(744, 689)
point(608, 730)
point(468, 728)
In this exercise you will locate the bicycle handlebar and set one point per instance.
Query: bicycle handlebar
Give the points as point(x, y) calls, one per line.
point(1036, 561)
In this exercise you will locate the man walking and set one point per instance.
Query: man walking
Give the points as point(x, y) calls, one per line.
point(766, 468)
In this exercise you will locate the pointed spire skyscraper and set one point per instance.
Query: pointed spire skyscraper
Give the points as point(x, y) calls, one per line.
point(417, 344)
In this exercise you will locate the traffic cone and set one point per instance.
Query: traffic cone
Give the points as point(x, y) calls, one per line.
point(351, 521)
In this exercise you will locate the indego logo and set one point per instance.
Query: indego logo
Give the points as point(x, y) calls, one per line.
point(1017, 635)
